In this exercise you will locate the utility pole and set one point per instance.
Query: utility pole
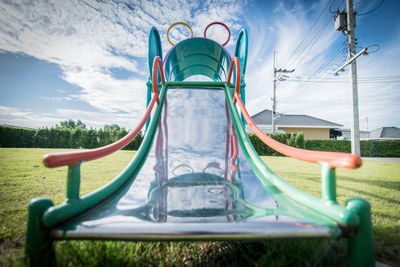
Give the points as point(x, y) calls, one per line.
point(274, 92)
point(273, 99)
point(355, 126)
point(347, 23)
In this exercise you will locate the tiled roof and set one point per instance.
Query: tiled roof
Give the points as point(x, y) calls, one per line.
point(385, 132)
point(283, 120)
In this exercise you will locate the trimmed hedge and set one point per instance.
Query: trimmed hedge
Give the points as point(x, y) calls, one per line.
point(329, 145)
point(381, 148)
point(371, 148)
point(16, 137)
point(59, 137)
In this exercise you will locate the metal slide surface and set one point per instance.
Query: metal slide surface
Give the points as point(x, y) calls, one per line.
point(193, 186)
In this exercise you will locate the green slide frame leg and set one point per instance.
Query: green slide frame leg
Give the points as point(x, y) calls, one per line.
point(361, 243)
point(38, 246)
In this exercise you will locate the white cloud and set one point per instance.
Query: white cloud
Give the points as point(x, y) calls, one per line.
point(33, 119)
point(88, 38)
point(27, 117)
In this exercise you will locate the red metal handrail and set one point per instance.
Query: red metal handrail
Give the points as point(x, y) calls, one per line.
point(334, 159)
point(75, 158)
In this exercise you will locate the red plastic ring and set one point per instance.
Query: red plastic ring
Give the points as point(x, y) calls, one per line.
point(219, 23)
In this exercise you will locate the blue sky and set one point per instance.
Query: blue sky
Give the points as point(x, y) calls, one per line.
point(87, 60)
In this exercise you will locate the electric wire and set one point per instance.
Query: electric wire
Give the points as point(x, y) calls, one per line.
point(359, 2)
point(372, 10)
point(337, 9)
point(376, 79)
point(314, 41)
point(308, 33)
point(389, 17)
point(369, 50)
point(305, 46)
point(330, 62)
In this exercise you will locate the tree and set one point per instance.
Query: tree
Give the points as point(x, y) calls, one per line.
point(102, 137)
point(111, 127)
point(121, 133)
point(41, 138)
point(64, 136)
point(135, 143)
point(91, 137)
point(71, 124)
point(80, 124)
point(76, 138)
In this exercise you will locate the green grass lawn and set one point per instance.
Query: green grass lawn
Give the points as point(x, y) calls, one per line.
point(23, 177)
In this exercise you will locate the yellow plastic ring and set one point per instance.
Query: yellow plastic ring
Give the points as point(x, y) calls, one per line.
point(177, 23)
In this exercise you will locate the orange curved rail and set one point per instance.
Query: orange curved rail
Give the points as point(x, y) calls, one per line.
point(334, 159)
point(157, 64)
point(234, 63)
point(75, 158)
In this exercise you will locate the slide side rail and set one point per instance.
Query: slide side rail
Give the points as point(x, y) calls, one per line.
point(329, 161)
point(74, 159)
point(333, 159)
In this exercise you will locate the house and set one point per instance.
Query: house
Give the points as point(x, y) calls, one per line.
point(313, 128)
point(385, 133)
point(346, 134)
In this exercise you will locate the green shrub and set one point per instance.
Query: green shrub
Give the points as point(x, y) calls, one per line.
point(292, 140)
point(300, 142)
point(263, 149)
point(259, 146)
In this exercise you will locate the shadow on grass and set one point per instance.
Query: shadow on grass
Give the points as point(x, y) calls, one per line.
point(387, 249)
point(361, 192)
point(395, 185)
point(364, 193)
point(271, 253)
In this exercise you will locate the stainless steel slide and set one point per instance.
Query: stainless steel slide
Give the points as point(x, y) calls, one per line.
point(196, 183)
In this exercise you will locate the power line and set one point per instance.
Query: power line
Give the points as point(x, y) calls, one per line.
point(377, 79)
point(372, 10)
point(314, 41)
point(333, 12)
point(359, 2)
point(302, 102)
point(340, 52)
point(308, 33)
point(378, 26)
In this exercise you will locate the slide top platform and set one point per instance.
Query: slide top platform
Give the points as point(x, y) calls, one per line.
point(197, 56)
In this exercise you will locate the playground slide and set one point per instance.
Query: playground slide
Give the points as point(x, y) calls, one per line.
point(196, 175)
point(196, 183)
